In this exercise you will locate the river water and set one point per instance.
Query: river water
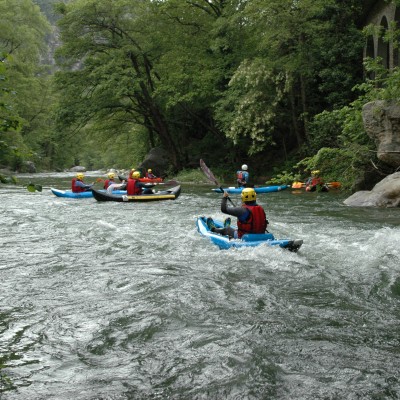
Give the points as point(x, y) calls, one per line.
point(128, 301)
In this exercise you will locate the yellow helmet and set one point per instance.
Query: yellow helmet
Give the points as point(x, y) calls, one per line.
point(79, 175)
point(149, 170)
point(315, 172)
point(111, 175)
point(136, 175)
point(248, 194)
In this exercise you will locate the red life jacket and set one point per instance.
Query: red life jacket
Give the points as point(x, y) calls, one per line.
point(240, 176)
point(256, 222)
point(76, 189)
point(132, 189)
point(316, 181)
point(108, 182)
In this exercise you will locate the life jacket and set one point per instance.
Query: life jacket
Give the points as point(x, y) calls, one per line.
point(316, 181)
point(108, 182)
point(256, 222)
point(132, 189)
point(240, 176)
point(76, 189)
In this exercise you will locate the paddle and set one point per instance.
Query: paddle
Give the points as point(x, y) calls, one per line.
point(212, 178)
point(34, 187)
point(299, 185)
point(171, 182)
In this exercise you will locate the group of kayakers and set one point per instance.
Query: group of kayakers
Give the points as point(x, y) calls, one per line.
point(251, 217)
point(132, 184)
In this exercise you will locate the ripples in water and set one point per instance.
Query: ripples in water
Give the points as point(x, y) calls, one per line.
point(127, 301)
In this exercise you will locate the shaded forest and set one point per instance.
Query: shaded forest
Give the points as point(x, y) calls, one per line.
point(276, 84)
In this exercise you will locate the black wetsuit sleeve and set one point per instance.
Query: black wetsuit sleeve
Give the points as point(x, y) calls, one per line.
point(235, 211)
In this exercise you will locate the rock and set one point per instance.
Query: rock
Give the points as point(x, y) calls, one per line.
point(28, 166)
point(158, 160)
point(386, 193)
point(382, 123)
point(78, 169)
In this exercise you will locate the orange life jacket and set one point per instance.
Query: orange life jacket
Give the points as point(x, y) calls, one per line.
point(255, 223)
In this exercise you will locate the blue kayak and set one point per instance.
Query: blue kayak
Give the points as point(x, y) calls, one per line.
point(247, 240)
point(261, 189)
point(82, 195)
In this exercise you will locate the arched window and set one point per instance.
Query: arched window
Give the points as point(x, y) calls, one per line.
point(383, 46)
point(396, 52)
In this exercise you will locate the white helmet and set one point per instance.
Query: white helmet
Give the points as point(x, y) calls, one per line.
point(244, 167)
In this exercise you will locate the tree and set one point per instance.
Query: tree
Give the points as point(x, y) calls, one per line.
point(22, 33)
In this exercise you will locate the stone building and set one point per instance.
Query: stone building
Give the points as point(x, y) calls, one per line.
point(386, 16)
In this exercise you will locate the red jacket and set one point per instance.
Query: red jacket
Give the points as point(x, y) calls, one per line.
point(76, 189)
point(132, 189)
point(256, 222)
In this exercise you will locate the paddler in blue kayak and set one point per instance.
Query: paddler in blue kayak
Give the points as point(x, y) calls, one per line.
point(242, 176)
point(77, 184)
point(251, 216)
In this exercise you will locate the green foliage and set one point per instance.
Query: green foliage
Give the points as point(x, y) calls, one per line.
point(284, 178)
point(192, 176)
point(24, 86)
point(8, 179)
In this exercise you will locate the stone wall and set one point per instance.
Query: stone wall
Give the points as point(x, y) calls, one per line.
point(382, 15)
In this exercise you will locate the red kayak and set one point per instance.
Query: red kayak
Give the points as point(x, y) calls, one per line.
point(146, 180)
point(151, 180)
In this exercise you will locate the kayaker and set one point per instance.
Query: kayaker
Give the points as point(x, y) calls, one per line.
point(110, 180)
point(315, 182)
point(77, 184)
point(149, 174)
point(242, 176)
point(134, 187)
point(251, 216)
point(131, 173)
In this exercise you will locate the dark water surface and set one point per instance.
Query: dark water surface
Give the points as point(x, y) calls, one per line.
point(128, 301)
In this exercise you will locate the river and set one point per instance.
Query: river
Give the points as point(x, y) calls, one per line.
point(127, 301)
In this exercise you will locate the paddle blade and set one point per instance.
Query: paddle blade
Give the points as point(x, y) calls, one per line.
point(208, 173)
point(297, 185)
point(334, 185)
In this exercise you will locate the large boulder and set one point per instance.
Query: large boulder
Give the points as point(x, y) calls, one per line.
point(382, 123)
point(386, 193)
point(158, 160)
point(78, 168)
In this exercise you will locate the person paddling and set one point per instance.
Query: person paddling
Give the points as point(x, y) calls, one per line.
point(315, 182)
point(242, 176)
point(110, 180)
point(134, 187)
point(149, 174)
point(251, 216)
point(77, 184)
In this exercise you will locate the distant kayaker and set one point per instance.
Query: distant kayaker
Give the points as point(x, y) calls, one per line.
point(242, 176)
point(77, 184)
point(315, 182)
point(134, 187)
point(149, 174)
point(110, 180)
point(251, 216)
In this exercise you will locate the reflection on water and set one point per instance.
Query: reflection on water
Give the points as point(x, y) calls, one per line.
point(127, 301)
